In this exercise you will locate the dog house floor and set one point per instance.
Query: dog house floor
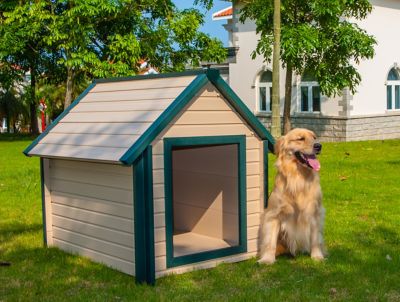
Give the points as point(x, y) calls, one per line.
point(192, 243)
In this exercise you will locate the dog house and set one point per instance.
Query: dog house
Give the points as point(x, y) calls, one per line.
point(155, 174)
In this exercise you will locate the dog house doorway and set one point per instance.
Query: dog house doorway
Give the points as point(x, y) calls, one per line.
point(205, 198)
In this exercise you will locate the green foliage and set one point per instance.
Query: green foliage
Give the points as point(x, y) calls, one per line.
point(78, 40)
point(317, 35)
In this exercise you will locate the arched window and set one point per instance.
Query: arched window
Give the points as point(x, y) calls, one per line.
point(393, 90)
point(310, 95)
point(265, 91)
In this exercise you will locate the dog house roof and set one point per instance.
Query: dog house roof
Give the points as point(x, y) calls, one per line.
point(114, 120)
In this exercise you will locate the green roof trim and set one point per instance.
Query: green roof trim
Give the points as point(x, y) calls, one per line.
point(204, 77)
point(164, 119)
point(55, 122)
point(243, 110)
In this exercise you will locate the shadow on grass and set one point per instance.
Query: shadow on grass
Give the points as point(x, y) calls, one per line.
point(13, 137)
point(16, 228)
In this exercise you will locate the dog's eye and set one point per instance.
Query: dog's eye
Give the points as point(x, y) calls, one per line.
point(301, 138)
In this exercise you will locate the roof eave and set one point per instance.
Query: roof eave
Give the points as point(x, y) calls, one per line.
point(28, 149)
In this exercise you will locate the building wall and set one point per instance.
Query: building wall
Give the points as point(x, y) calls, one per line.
point(209, 115)
point(90, 211)
point(383, 24)
point(244, 72)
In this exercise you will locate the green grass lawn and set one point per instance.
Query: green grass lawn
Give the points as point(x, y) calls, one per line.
point(361, 185)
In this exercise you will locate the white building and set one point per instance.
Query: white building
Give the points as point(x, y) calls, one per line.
point(373, 112)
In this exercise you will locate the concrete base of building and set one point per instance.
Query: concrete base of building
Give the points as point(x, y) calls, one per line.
point(353, 128)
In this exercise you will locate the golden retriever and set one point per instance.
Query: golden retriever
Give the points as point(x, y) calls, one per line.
point(293, 221)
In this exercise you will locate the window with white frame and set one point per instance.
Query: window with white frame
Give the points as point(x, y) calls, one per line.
point(393, 90)
point(265, 91)
point(310, 94)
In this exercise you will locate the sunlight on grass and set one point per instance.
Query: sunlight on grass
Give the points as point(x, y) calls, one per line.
point(361, 185)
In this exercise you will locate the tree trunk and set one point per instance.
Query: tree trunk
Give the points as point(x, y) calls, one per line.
point(70, 88)
point(7, 111)
point(275, 115)
point(288, 99)
point(32, 104)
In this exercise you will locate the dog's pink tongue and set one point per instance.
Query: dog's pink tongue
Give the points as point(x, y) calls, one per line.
point(314, 163)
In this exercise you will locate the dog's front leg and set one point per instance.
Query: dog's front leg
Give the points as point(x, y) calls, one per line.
point(316, 238)
point(270, 230)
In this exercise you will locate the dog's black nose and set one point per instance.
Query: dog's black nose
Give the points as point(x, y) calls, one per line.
point(317, 148)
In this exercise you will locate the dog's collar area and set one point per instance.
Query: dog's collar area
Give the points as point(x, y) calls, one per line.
point(308, 160)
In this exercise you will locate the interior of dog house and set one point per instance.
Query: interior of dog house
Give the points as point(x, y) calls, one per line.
point(155, 174)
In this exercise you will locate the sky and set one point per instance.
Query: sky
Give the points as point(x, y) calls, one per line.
point(213, 28)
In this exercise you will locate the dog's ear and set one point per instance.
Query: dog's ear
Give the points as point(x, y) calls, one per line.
point(279, 145)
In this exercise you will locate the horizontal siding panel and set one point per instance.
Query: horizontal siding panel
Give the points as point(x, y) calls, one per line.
point(78, 152)
point(161, 263)
point(122, 106)
point(101, 128)
point(252, 245)
point(120, 238)
point(208, 117)
point(160, 249)
point(158, 191)
point(210, 104)
point(158, 177)
point(97, 245)
point(119, 264)
point(104, 220)
point(112, 117)
point(208, 91)
point(131, 95)
point(97, 205)
point(253, 168)
point(159, 220)
point(92, 167)
point(92, 191)
point(144, 84)
point(207, 130)
point(253, 181)
point(158, 162)
point(159, 205)
point(253, 155)
point(254, 194)
point(102, 179)
point(252, 142)
point(95, 140)
point(252, 232)
point(159, 234)
point(253, 220)
point(253, 206)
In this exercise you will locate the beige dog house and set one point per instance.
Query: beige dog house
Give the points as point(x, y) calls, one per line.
point(155, 174)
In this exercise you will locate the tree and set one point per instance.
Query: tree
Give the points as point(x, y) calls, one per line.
point(113, 36)
point(21, 35)
point(69, 41)
point(317, 36)
point(276, 111)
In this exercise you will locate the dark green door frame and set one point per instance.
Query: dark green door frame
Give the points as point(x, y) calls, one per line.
point(169, 144)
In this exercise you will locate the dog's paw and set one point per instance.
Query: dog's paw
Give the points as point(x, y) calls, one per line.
point(317, 255)
point(267, 259)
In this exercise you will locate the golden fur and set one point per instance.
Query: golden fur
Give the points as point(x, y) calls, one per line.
point(293, 220)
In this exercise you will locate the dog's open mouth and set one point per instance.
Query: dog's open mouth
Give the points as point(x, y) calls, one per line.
point(309, 160)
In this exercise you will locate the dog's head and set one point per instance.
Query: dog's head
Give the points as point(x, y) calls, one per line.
point(299, 145)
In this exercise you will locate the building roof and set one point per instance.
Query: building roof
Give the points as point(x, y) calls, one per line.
point(223, 14)
point(114, 120)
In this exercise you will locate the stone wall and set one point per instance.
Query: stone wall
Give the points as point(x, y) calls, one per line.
point(339, 129)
